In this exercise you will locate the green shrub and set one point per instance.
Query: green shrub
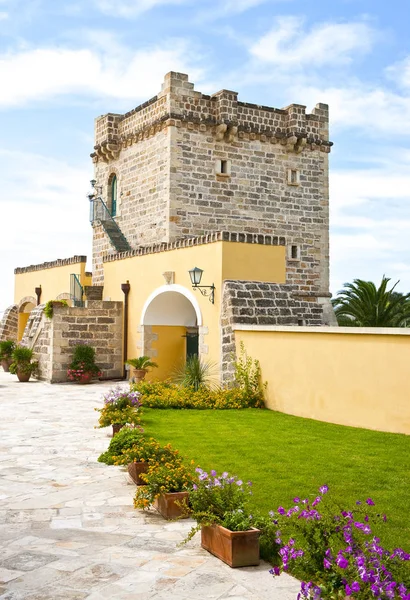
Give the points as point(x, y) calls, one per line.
point(6, 349)
point(168, 395)
point(248, 377)
point(125, 439)
point(196, 373)
point(49, 307)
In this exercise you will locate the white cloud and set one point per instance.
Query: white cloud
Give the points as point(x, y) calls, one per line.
point(45, 73)
point(289, 45)
point(47, 214)
point(131, 8)
point(400, 72)
point(357, 105)
point(370, 221)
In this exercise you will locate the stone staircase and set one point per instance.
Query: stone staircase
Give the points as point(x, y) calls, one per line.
point(115, 234)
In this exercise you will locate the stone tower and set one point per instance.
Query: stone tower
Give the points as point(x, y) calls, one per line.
point(185, 164)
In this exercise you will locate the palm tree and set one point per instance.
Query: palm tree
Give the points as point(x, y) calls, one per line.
point(361, 304)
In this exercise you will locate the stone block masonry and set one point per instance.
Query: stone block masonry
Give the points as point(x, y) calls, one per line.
point(9, 324)
point(99, 325)
point(189, 164)
point(256, 303)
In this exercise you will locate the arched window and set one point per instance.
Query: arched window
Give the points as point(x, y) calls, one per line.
point(114, 196)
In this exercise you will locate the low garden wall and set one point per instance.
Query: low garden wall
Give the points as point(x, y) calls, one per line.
point(99, 324)
point(349, 376)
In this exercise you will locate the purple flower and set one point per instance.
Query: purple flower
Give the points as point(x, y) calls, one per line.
point(296, 500)
point(342, 562)
point(326, 563)
point(370, 502)
point(324, 489)
point(213, 473)
point(281, 510)
point(239, 482)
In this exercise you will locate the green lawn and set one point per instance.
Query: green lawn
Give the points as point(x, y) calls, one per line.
point(285, 456)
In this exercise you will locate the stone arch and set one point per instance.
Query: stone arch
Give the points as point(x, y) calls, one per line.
point(25, 307)
point(171, 315)
point(156, 307)
point(65, 296)
point(24, 302)
point(8, 323)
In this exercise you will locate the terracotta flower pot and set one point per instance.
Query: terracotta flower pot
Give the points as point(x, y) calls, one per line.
point(135, 469)
point(23, 376)
point(5, 363)
point(139, 374)
point(166, 504)
point(235, 548)
point(116, 428)
point(85, 378)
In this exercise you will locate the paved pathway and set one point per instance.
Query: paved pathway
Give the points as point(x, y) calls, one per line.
point(68, 529)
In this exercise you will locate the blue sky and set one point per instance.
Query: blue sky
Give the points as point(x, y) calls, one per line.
point(64, 63)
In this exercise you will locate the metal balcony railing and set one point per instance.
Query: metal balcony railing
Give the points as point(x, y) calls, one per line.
point(100, 212)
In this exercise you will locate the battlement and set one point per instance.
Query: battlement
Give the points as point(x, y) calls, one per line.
point(220, 114)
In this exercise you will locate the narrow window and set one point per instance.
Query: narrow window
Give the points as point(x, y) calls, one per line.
point(294, 252)
point(223, 167)
point(293, 177)
point(114, 196)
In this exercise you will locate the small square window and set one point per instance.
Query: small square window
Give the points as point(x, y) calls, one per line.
point(294, 252)
point(223, 167)
point(293, 177)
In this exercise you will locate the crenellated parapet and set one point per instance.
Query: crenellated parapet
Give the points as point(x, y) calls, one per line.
point(220, 115)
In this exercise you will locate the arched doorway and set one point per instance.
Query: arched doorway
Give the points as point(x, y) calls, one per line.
point(26, 305)
point(169, 328)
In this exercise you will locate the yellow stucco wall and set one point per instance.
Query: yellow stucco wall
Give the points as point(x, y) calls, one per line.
point(22, 322)
point(219, 261)
point(254, 262)
point(171, 351)
point(53, 281)
point(357, 379)
point(145, 276)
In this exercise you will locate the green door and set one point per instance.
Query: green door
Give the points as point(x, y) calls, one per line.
point(192, 344)
point(114, 196)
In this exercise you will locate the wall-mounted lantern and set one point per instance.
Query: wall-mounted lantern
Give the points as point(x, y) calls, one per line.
point(196, 275)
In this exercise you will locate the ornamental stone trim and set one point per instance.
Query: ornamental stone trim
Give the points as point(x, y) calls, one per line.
point(60, 262)
point(295, 141)
point(210, 238)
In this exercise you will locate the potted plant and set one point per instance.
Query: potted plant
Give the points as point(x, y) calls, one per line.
point(6, 351)
point(83, 368)
point(120, 408)
point(219, 505)
point(23, 366)
point(139, 457)
point(168, 483)
point(49, 307)
point(141, 366)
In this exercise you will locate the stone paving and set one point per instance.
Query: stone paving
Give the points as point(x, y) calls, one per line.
point(68, 529)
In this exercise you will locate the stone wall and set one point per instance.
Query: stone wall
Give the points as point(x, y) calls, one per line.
point(256, 303)
point(9, 324)
point(165, 155)
point(99, 325)
point(142, 172)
